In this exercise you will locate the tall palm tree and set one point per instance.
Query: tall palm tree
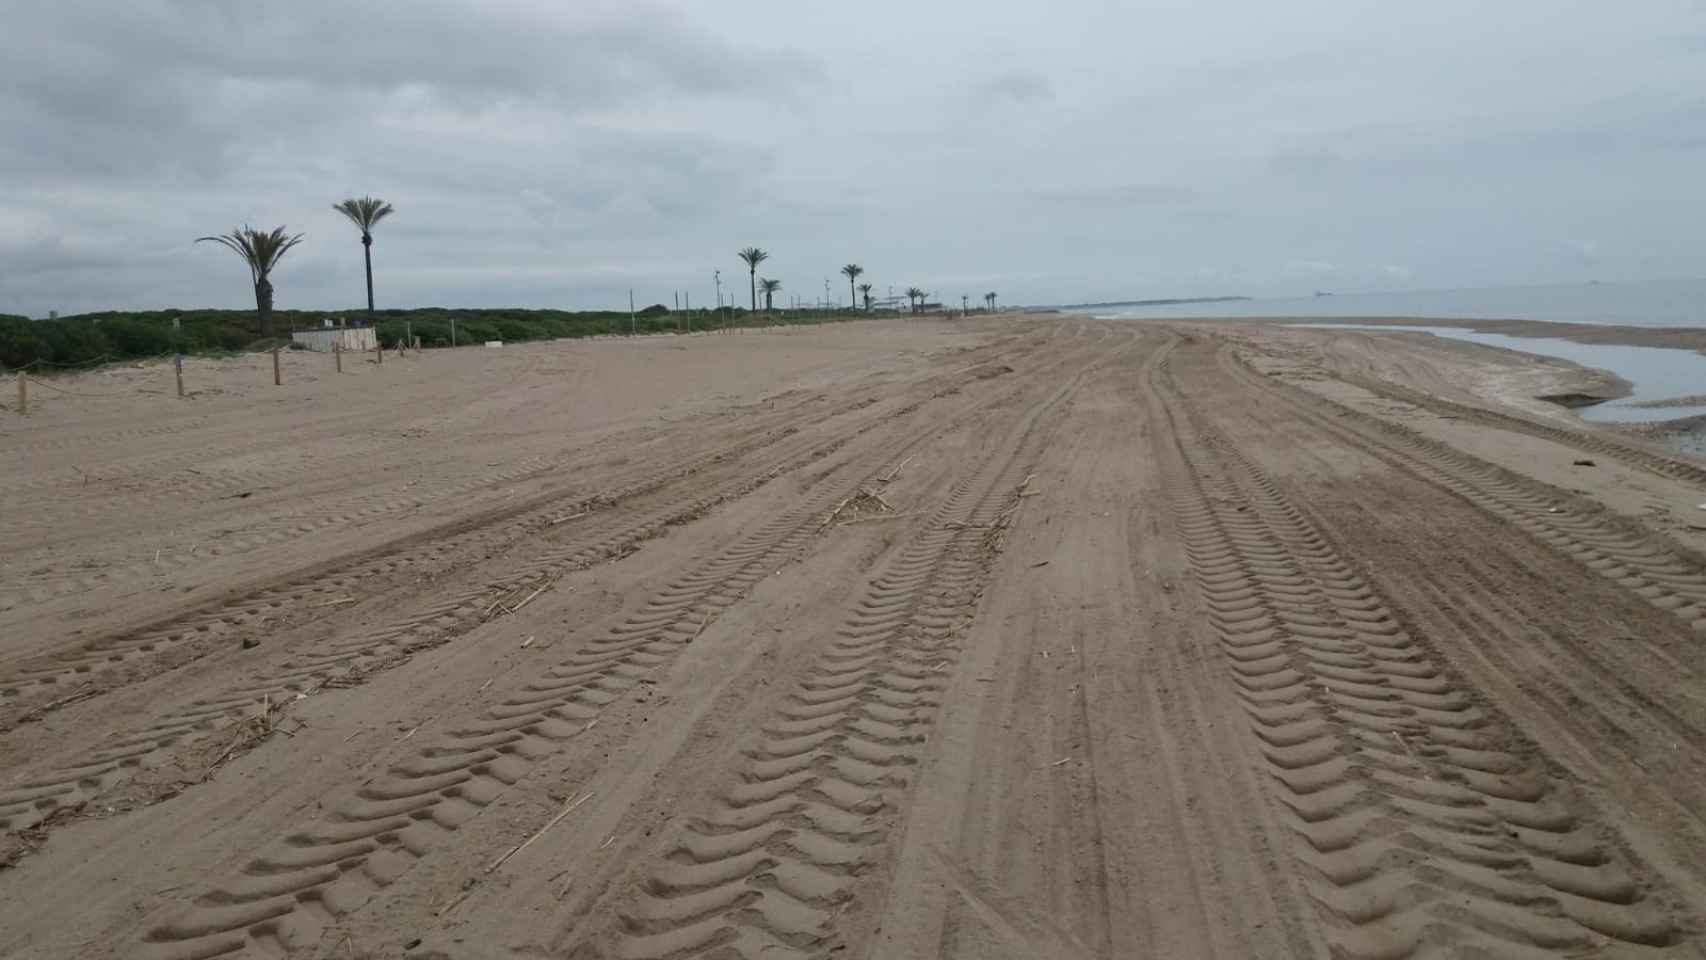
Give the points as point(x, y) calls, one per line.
point(769, 287)
point(989, 298)
point(851, 272)
point(753, 257)
point(865, 291)
point(262, 252)
point(914, 296)
point(365, 213)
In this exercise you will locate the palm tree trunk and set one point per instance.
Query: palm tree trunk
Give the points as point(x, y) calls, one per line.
point(367, 253)
point(852, 293)
point(752, 280)
point(263, 305)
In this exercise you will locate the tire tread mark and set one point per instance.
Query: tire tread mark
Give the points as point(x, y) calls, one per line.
point(1418, 826)
point(385, 827)
point(772, 860)
point(1642, 561)
point(82, 777)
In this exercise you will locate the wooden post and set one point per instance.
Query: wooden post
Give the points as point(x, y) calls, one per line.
point(277, 378)
point(338, 355)
point(178, 365)
point(23, 393)
point(409, 333)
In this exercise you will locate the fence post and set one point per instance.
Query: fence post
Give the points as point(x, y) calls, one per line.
point(178, 367)
point(23, 393)
point(338, 355)
point(277, 378)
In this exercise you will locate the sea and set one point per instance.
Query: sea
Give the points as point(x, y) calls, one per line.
point(1667, 303)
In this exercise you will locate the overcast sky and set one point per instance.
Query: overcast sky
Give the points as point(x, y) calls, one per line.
point(548, 153)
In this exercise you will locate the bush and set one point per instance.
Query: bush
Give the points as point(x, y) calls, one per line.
point(90, 338)
point(134, 337)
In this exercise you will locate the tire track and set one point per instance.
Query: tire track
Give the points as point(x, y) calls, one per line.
point(347, 659)
point(306, 878)
point(1422, 820)
point(327, 582)
point(29, 801)
point(1643, 562)
point(323, 585)
point(371, 505)
point(772, 862)
point(503, 526)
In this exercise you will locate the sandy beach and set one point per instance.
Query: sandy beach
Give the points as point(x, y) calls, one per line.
point(1014, 637)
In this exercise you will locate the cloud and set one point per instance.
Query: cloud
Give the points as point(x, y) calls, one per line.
point(1312, 268)
point(1016, 86)
point(550, 154)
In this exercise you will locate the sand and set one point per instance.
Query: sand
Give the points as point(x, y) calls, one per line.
point(1008, 638)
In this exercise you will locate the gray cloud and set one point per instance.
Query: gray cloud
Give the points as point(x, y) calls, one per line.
point(1020, 86)
point(550, 154)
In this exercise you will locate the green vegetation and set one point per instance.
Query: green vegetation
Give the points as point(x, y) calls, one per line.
point(97, 337)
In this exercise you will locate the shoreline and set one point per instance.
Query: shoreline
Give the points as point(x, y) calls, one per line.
point(1592, 334)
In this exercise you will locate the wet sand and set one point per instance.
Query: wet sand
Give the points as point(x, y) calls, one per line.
point(1679, 338)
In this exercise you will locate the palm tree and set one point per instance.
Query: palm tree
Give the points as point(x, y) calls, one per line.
point(914, 296)
point(865, 290)
point(851, 272)
point(365, 213)
point(769, 287)
point(989, 298)
point(753, 257)
point(262, 252)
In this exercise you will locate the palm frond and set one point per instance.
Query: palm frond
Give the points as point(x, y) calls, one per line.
point(852, 271)
point(753, 257)
point(768, 285)
point(261, 251)
point(364, 212)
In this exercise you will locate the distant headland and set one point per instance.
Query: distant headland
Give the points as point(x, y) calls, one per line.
point(1149, 303)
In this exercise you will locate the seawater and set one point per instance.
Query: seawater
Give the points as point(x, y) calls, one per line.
point(1670, 303)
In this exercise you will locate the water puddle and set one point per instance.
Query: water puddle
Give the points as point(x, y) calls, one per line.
point(1653, 373)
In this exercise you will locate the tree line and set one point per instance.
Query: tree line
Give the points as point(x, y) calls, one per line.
point(119, 334)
